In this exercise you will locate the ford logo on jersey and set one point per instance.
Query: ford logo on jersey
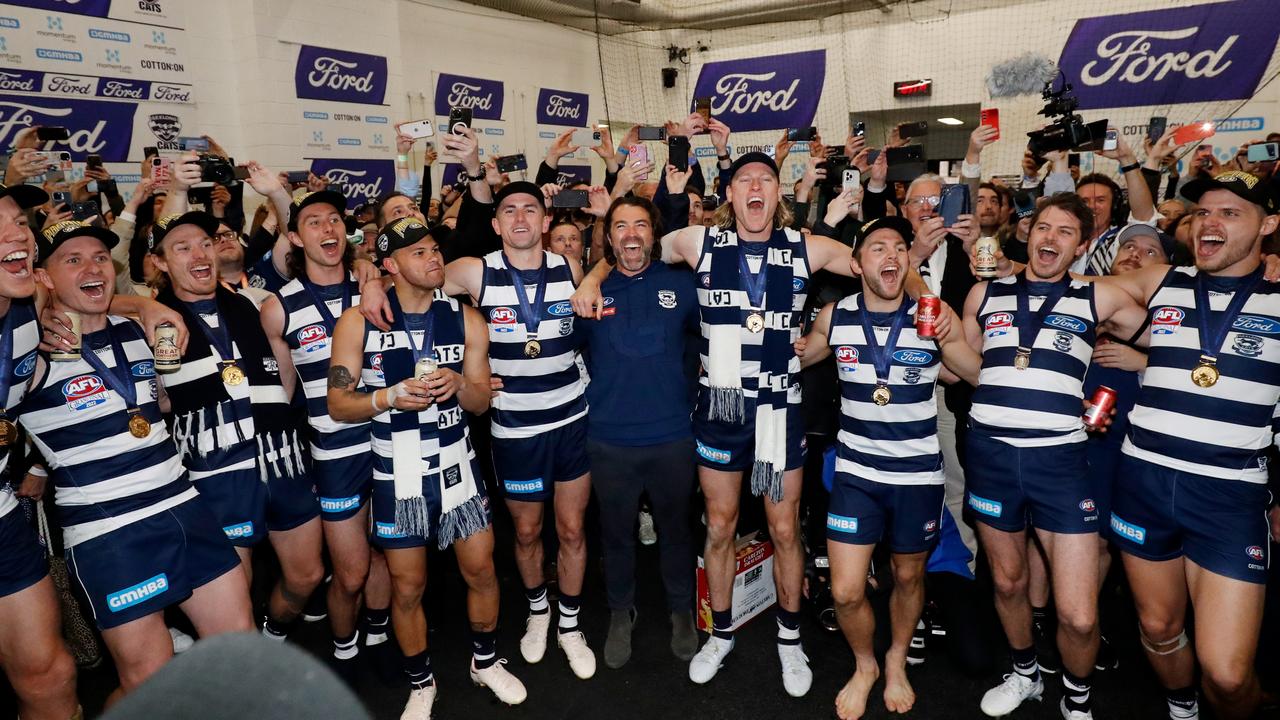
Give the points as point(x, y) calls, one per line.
point(1166, 320)
point(143, 369)
point(797, 284)
point(1253, 323)
point(998, 324)
point(26, 367)
point(84, 392)
point(913, 357)
point(1066, 322)
point(560, 309)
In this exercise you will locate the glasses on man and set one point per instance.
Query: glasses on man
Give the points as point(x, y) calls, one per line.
point(930, 200)
point(225, 236)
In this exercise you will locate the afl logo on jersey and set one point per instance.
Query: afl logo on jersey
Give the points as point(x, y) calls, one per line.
point(847, 357)
point(313, 337)
point(1166, 320)
point(503, 319)
point(375, 363)
point(998, 324)
point(84, 392)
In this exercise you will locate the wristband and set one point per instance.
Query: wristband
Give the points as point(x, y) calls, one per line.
point(623, 151)
point(402, 158)
point(1124, 169)
point(472, 178)
point(38, 471)
point(126, 216)
point(970, 171)
point(723, 158)
point(373, 396)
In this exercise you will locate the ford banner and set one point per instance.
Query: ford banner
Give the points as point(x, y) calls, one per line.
point(327, 74)
point(484, 97)
point(764, 93)
point(560, 107)
point(359, 180)
point(104, 128)
point(1216, 51)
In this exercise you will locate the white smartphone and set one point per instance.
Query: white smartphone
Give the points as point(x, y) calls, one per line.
point(585, 138)
point(1112, 140)
point(416, 129)
point(852, 179)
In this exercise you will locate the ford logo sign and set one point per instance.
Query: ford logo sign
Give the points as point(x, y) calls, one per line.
point(913, 357)
point(561, 309)
point(1066, 322)
point(1255, 324)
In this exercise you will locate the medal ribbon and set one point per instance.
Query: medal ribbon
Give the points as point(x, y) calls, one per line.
point(881, 357)
point(428, 328)
point(1211, 339)
point(119, 377)
point(753, 283)
point(1029, 326)
point(530, 315)
point(6, 360)
point(322, 307)
point(220, 338)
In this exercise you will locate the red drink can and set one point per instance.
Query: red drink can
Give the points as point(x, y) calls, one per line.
point(928, 308)
point(1104, 399)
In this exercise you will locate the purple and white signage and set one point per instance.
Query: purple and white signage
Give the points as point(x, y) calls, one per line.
point(764, 93)
point(104, 128)
point(359, 180)
point(1193, 54)
point(339, 75)
point(484, 97)
point(560, 107)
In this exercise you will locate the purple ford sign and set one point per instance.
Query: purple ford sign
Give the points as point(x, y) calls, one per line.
point(764, 93)
point(484, 97)
point(359, 180)
point(327, 74)
point(559, 107)
point(1194, 54)
point(105, 128)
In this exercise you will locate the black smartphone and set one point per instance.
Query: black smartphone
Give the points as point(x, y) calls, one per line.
point(1024, 204)
point(297, 177)
point(905, 154)
point(955, 202)
point(913, 129)
point(872, 155)
point(802, 134)
point(193, 144)
point(84, 210)
point(859, 129)
point(201, 195)
point(93, 161)
point(459, 116)
point(1156, 128)
point(651, 133)
point(241, 172)
point(150, 152)
point(570, 199)
point(46, 133)
point(61, 198)
point(678, 152)
point(512, 163)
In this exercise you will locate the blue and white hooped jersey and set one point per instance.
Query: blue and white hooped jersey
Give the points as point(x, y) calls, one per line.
point(448, 329)
point(542, 393)
point(310, 340)
point(1042, 404)
point(104, 478)
point(797, 257)
point(1221, 431)
point(896, 443)
point(26, 335)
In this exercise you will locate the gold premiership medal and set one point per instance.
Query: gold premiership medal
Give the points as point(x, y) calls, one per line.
point(532, 349)
point(755, 322)
point(1022, 360)
point(138, 426)
point(1205, 374)
point(8, 432)
point(232, 375)
point(881, 395)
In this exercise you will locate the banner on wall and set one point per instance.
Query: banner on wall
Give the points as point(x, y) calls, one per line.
point(340, 76)
point(360, 180)
point(764, 93)
point(161, 13)
point(484, 97)
point(561, 107)
point(1204, 53)
point(105, 128)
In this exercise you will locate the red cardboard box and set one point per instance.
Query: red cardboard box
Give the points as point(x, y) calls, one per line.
point(753, 588)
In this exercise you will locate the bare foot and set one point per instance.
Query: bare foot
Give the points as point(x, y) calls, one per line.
point(851, 703)
point(898, 695)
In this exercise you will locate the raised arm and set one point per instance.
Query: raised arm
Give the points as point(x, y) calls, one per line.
point(830, 255)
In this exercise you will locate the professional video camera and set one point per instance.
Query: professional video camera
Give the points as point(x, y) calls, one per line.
point(1068, 131)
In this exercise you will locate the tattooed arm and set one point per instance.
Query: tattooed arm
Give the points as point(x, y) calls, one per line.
point(346, 403)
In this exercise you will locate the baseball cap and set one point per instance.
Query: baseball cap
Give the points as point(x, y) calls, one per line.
point(1134, 230)
point(889, 222)
point(1241, 184)
point(519, 187)
point(332, 197)
point(27, 196)
point(162, 226)
point(55, 235)
point(752, 157)
point(398, 234)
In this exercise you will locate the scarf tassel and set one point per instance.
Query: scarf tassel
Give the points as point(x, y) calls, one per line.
point(461, 522)
point(411, 516)
point(766, 479)
point(727, 404)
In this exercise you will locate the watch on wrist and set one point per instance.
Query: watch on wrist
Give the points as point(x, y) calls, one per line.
point(723, 158)
point(472, 178)
point(1129, 168)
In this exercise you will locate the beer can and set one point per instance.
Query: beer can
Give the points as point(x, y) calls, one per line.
point(424, 367)
point(1104, 399)
point(984, 256)
point(74, 352)
point(928, 308)
point(168, 356)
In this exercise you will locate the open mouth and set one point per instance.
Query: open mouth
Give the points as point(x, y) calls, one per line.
point(330, 245)
point(889, 274)
point(755, 202)
point(202, 272)
point(94, 288)
point(1047, 254)
point(1209, 244)
point(15, 263)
